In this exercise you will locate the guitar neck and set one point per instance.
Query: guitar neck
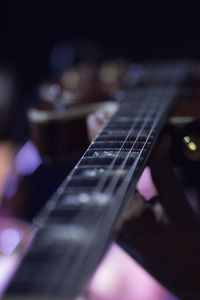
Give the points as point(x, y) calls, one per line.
point(77, 223)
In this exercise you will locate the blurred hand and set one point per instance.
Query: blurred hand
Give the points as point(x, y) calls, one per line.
point(95, 122)
point(168, 247)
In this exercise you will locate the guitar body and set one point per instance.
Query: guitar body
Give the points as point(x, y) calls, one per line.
point(61, 133)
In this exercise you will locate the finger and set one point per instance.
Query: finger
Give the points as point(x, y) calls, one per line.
point(95, 122)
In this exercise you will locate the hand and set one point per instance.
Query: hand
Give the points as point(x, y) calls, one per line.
point(95, 122)
point(169, 248)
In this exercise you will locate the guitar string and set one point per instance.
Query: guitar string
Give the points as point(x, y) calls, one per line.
point(104, 178)
point(132, 169)
point(164, 104)
point(109, 219)
point(72, 172)
point(111, 165)
point(162, 108)
point(128, 177)
point(110, 189)
point(76, 264)
point(72, 269)
point(155, 122)
point(123, 187)
point(145, 120)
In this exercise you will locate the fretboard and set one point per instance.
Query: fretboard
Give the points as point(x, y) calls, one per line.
point(77, 224)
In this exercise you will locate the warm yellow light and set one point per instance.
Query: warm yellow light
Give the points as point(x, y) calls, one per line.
point(186, 139)
point(192, 146)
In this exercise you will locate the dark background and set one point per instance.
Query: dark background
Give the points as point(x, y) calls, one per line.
point(139, 29)
point(135, 29)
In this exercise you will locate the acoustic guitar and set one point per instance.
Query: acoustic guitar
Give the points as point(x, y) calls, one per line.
point(78, 223)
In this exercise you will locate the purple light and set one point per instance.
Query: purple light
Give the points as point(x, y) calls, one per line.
point(8, 266)
point(119, 277)
point(27, 159)
point(13, 233)
point(9, 240)
point(146, 186)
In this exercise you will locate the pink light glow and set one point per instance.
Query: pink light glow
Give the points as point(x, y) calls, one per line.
point(119, 277)
point(145, 185)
